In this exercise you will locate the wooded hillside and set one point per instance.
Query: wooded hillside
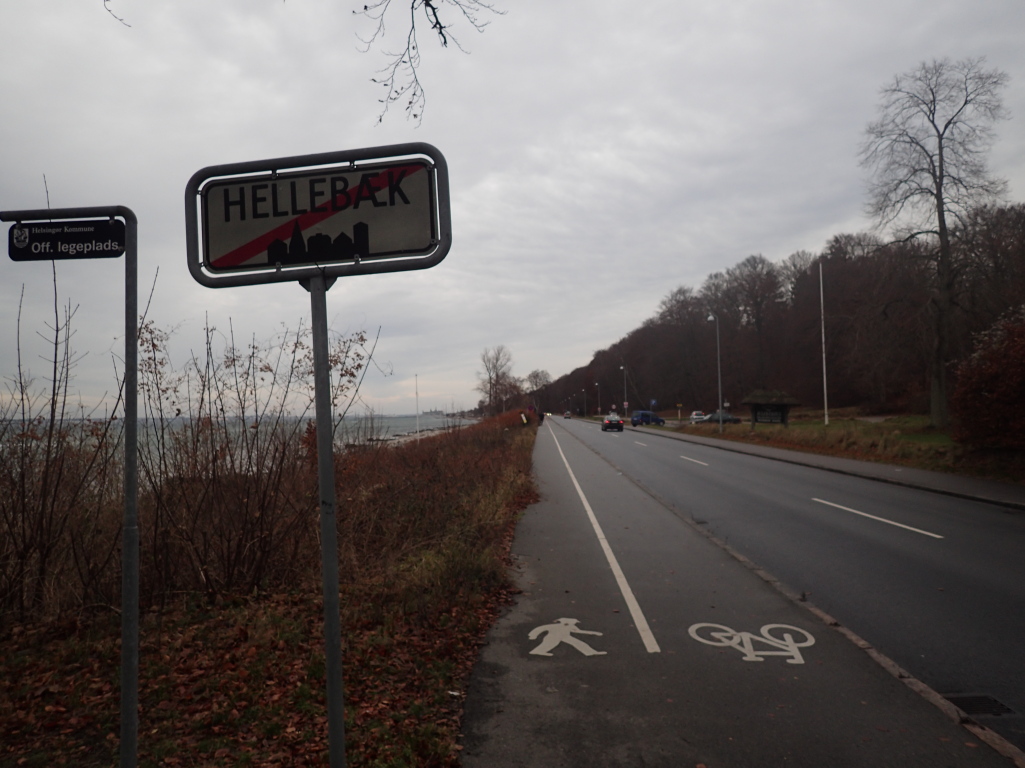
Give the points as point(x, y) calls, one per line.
point(878, 304)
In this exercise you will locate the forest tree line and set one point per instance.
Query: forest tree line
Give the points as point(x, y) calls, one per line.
point(878, 310)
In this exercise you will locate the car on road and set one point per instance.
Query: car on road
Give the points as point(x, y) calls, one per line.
point(612, 421)
point(567, 415)
point(713, 418)
point(646, 417)
point(696, 416)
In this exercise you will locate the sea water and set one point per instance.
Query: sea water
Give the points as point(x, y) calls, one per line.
point(379, 427)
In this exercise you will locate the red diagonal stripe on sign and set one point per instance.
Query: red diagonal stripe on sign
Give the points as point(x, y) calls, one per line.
point(283, 231)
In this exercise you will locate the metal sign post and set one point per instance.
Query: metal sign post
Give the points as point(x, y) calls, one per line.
point(317, 286)
point(312, 219)
point(59, 237)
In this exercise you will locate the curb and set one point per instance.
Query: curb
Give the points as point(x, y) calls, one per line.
point(990, 737)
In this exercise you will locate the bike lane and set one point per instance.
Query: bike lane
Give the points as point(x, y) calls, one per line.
point(639, 642)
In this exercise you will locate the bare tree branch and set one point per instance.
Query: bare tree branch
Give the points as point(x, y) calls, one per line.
point(106, 6)
point(400, 78)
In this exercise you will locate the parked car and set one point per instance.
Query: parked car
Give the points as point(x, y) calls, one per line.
point(713, 418)
point(612, 421)
point(696, 416)
point(646, 417)
point(567, 415)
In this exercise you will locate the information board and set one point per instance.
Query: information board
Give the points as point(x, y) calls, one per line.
point(45, 241)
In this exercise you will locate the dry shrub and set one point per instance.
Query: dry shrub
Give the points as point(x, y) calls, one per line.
point(424, 523)
point(987, 402)
point(60, 489)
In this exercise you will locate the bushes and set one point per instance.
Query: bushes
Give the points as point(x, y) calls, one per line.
point(987, 404)
point(228, 493)
point(60, 490)
point(423, 524)
point(423, 534)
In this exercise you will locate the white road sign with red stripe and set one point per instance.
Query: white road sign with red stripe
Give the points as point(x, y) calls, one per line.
point(323, 216)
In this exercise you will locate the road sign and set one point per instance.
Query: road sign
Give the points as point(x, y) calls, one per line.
point(355, 212)
point(65, 239)
point(59, 233)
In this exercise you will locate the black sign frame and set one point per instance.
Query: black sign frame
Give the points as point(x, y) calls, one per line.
point(373, 159)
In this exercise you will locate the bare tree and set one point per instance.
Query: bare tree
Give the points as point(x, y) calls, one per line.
point(927, 155)
point(496, 380)
point(400, 78)
point(758, 289)
point(538, 379)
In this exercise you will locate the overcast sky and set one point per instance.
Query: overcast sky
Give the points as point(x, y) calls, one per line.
point(601, 154)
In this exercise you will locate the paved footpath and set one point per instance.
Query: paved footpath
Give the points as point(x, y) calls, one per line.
point(637, 641)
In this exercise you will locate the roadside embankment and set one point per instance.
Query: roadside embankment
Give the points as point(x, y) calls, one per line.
point(237, 677)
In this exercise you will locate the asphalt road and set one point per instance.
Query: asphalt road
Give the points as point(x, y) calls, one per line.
point(639, 642)
point(950, 610)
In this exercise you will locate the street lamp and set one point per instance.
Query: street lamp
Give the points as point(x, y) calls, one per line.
point(718, 362)
point(585, 402)
point(623, 369)
point(822, 312)
point(599, 395)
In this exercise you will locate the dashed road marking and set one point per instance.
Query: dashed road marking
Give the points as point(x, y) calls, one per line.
point(685, 458)
point(879, 519)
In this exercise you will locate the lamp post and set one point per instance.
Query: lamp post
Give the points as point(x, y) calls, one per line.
point(718, 363)
point(599, 395)
point(625, 400)
point(825, 388)
point(585, 402)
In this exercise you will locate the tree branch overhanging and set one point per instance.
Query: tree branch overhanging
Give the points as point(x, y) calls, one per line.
point(400, 78)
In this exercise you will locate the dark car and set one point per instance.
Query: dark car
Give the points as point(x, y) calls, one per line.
point(612, 421)
point(567, 415)
point(713, 418)
point(646, 417)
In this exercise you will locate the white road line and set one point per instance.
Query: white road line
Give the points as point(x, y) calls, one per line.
point(643, 445)
point(694, 460)
point(880, 519)
point(631, 602)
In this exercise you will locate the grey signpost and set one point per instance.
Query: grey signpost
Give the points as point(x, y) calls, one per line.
point(92, 232)
point(313, 219)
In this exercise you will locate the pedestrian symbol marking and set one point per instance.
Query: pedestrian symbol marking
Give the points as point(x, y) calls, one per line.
point(562, 631)
point(787, 640)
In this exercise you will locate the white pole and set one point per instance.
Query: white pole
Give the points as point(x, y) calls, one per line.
point(825, 389)
point(718, 366)
point(416, 389)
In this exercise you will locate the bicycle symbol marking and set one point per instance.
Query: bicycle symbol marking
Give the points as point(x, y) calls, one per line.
point(787, 639)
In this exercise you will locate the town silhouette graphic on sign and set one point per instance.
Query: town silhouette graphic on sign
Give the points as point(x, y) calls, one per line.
point(320, 247)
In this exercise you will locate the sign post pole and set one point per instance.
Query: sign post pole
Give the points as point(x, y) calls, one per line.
point(312, 219)
point(82, 239)
point(318, 286)
point(130, 534)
